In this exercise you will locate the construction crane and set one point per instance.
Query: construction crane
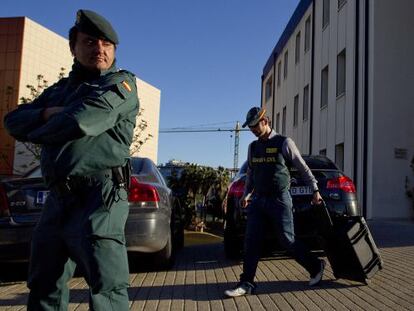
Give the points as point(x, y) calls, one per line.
point(236, 146)
point(236, 131)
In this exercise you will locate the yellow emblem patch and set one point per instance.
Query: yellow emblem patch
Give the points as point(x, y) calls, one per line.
point(271, 150)
point(126, 85)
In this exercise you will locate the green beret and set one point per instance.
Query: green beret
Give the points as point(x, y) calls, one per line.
point(95, 25)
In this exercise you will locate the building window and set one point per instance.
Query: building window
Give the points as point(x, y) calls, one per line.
point(295, 110)
point(324, 87)
point(284, 121)
point(279, 66)
point(269, 88)
point(341, 3)
point(277, 122)
point(297, 48)
point(325, 13)
point(305, 102)
point(339, 156)
point(307, 33)
point(285, 65)
point(341, 73)
point(322, 152)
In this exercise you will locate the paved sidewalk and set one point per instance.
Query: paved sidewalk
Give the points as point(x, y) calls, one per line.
point(201, 274)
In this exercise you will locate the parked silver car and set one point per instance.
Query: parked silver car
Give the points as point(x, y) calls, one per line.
point(155, 222)
point(154, 225)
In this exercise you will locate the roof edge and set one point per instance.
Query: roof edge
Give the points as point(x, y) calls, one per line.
point(289, 29)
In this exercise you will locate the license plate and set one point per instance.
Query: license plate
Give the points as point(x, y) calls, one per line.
point(41, 197)
point(301, 190)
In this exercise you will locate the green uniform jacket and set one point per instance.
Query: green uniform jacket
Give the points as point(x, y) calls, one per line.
point(91, 134)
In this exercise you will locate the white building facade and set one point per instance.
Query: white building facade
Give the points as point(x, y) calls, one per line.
point(338, 82)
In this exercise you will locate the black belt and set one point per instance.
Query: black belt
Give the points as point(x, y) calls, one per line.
point(73, 184)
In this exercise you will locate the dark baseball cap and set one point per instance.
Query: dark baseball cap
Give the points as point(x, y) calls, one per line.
point(95, 25)
point(254, 115)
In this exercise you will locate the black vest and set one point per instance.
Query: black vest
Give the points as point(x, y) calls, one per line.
point(270, 172)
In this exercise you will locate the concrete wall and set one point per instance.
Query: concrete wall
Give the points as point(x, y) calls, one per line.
point(373, 117)
point(392, 107)
point(334, 123)
point(298, 76)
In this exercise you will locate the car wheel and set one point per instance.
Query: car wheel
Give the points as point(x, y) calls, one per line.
point(177, 226)
point(179, 238)
point(164, 259)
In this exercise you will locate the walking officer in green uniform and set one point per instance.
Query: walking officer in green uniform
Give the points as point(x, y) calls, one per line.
point(85, 125)
point(267, 190)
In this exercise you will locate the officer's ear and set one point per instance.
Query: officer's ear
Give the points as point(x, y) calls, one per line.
point(268, 121)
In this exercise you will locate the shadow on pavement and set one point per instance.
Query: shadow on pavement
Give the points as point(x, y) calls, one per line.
point(195, 292)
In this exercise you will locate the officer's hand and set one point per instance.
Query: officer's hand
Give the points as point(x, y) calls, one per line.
point(245, 200)
point(317, 198)
point(48, 112)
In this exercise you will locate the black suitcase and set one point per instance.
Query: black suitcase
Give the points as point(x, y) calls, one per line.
point(351, 250)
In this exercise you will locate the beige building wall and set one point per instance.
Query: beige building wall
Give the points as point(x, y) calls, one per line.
point(28, 50)
point(149, 98)
point(43, 53)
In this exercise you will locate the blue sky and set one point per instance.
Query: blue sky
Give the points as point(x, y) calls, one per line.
point(206, 57)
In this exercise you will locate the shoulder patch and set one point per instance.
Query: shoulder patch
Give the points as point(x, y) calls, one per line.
point(126, 86)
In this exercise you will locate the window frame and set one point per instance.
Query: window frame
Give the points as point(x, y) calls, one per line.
point(341, 73)
point(305, 100)
point(296, 110)
point(341, 4)
point(324, 87)
point(325, 13)
point(278, 122)
point(279, 72)
point(307, 34)
point(285, 65)
point(340, 153)
point(269, 88)
point(297, 48)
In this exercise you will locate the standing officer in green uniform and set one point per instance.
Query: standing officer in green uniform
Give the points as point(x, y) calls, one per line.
point(85, 125)
point(267, 183)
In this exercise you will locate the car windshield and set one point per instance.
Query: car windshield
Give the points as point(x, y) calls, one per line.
point(242, 170)
point(317, 162)
point(34, 173)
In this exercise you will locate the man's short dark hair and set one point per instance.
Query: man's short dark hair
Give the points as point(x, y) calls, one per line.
point(73, 34)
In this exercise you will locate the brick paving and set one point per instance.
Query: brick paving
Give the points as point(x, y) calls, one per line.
point(201, 274)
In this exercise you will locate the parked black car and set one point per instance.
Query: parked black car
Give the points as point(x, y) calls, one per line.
point(154, 225)
point(337, 190)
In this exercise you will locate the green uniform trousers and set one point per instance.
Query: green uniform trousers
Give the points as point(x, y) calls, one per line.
point(82, 228)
